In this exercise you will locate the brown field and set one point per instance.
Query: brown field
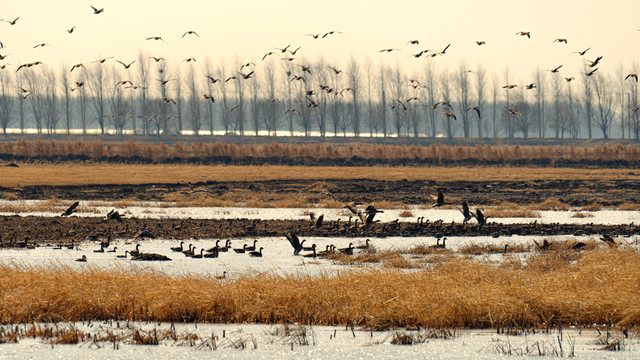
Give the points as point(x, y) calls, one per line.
point(602, 284)
point(99, 174)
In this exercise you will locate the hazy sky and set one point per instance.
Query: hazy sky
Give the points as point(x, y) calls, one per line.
point(250, 28)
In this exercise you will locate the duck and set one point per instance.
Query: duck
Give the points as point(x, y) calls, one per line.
point(256, 253)
point(82, 259)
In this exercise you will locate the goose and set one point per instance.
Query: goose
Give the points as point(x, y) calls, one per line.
point(241, 251)
point(546, 245)
point(306, 248)
point(101, 250)
point(365, 246)
point(465, 212)
point(212, 254)
point(178, 248)
point(71, 209)
point(223, 276)
point(311, 255)
point(438, 245)
point(114, 249)
point(348, 250)
point(198, 256)
point(524, 33)
point(122, 256)
point(295, 242)
point(256, 253)
point(476, 109)
point(190, 32)
point(216, 248)
point(480, 218)
point(82, 259)
point(136, 251)
point(126, 66)
point(252, 247)
point(96, 11)
point(189, 251)
point(439, 199)
point(226, 247)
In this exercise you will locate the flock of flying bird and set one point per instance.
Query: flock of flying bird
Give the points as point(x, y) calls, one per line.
point(287, 53)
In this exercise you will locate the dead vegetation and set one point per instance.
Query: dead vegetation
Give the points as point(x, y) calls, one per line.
point(457, 293)
point(438, 153)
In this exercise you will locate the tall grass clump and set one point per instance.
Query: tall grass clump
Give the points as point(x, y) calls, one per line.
point(457, 293)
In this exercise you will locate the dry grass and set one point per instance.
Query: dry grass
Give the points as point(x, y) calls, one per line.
point(594, 206)
point(629, 206)
point(480, 249)
point(88, 174)
point(581, 215)
point(512, 213)
point(438, 153)
point(459, 293)
point(50, 205)
point(406, 213)
point(551, 204)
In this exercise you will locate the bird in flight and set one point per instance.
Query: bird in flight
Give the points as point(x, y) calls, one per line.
point(509, 87)
point(388, 50)
point(591, 72)
point(555, 70)
point(71, 30)
point(76, 66)
point(595, 62)
point(513, 111)
point(481, 42)
point(569, 79)
point(157, 59)
point(331, 33)
point(531, 86)
point(126, 66)
point(41, 45)
point(168, 100)
point(560, 40)
point(209, 97)
point(582, 52)
point(413, 42)
point(101, 61)
point(635, 76)
point(96, 11)
point(189, 60)
point(13, 22)
point(156, 38)
point(476, 109)
point(524, 33)
point(190, 32)
point(283, 50)
point(315, 36)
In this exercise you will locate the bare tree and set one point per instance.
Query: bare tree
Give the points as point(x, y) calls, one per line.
point(588, 102)
point(51, 101)
point(480, 87)
point(605, 103)
point(66, 92)
point(193, 101)
point(430, 87)
point(119, 107)
point(7, 101)
point(353, 70)
point(273, 107)
point(523, 120)
point(97, 88)
point(143, 87)
point(445, 87)
point(37, 92)
point(632, 104)
point(462, 78)
point(541, 116)
point(494, 95)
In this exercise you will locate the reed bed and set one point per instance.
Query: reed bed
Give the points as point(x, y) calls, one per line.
point(208, 151)
point(603, 284)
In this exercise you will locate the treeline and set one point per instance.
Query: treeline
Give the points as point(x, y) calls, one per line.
point(611, 155)
point(315, 98)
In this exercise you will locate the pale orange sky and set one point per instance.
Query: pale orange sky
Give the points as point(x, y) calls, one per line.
point(248, 29)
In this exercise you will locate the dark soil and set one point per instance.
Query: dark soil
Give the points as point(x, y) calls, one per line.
point(16, 231)
point(571, 192)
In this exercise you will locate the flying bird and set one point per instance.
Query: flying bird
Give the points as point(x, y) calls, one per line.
point(96, 11)
point(569, 79)
point(13, 22)
point(560, 40)
point(126, 66)
point(524, 33)
point(482, 42)
point(71, 209)
point(509, 87)
point(582, 52)
point(449, 114)
point(41, 45)
point(635, 76)
point(168, 100)
point(190, 33)
point(591, 72)
point(555, 70)
point(331, 33)
point(189, 60)
point(531, 86)
point(156, 38)
point(595, 62)
point(76, 66)
point(388, 50)
point(71, 30)
point(476, 109)
point(513, 111)
point(315, 36)
point(157, 59)
point(413, 42)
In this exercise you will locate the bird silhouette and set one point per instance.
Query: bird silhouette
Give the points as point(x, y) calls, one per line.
point(295, 242)
point(476, 109)
point(315, 36)
point(96, 11)
point(480, 43)
point(71, 209)
point(13, 22)
point(594, 62)
point(635, 76)
point(524, 33)
point(449, 114)
point(190, 32)
point(589, 73)
point(531, 86)
point(70, 31)
point(413, 42)
point(569, 79)
point(513, 111)
point(582, 52)
point(560, 40)
point(555, 70)
point(77, 66)
point(126, 66)
point(465, 212)
point(156, 38)
point(331, 33)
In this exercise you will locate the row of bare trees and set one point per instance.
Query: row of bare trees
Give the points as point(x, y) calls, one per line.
point(316, 98)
